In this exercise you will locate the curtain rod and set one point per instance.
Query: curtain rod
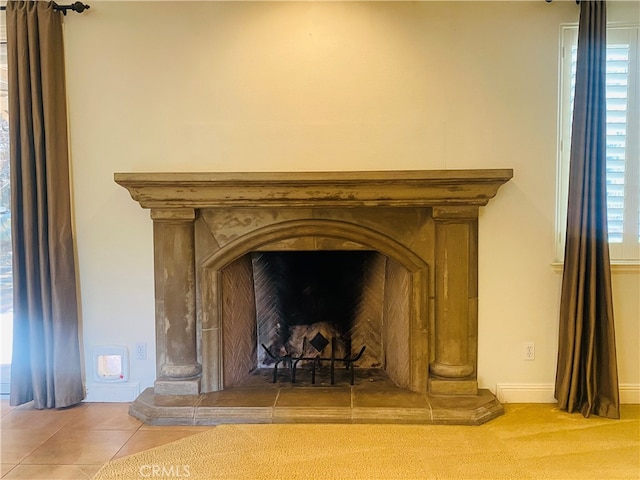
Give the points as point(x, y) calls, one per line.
point(77, 7)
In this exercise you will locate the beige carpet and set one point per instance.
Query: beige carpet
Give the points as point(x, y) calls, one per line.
point(530, 441)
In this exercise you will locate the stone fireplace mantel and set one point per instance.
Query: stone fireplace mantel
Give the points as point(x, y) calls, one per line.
point(425, 222)
point(412, 188)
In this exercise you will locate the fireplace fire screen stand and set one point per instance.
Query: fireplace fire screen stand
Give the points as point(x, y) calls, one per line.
point(319, 342)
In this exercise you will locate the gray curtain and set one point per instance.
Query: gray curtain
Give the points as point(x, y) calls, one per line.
point(587, 373)
point(46, 356)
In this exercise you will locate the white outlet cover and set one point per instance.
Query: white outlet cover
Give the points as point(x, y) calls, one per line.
point(528, 351)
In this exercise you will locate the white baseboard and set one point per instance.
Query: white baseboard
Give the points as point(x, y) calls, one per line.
point(543, 393)
point(104, 392)
point(525, 393)
point(112, 392)
point(629, 393)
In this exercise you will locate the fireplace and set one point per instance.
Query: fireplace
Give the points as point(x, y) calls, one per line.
point(402, 248)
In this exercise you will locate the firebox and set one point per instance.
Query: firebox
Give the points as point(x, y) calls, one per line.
point(317, 304)
point(306, 299)
point(382, 259)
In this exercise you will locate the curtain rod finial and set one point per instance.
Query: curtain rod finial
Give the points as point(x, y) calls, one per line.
point(80, 7)
point(77, 7)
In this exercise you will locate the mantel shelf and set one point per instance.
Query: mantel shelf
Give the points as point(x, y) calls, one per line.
point(408, 188)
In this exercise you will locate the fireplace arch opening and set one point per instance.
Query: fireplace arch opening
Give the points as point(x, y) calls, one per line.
point(313, 276)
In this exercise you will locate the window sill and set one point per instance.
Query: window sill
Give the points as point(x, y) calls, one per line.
point(617, 266)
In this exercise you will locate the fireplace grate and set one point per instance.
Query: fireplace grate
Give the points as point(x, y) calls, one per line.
point(318, 342)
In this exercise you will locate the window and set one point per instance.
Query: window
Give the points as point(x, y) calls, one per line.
point(623, 137)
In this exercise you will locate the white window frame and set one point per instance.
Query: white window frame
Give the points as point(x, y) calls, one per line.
point(626, 253)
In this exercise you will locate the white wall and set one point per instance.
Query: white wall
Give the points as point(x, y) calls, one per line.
point(212, 86)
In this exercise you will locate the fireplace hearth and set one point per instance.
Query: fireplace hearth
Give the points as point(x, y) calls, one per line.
point(382, 259)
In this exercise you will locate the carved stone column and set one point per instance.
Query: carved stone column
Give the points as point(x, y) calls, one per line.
point(454, 369)
point(178, 370)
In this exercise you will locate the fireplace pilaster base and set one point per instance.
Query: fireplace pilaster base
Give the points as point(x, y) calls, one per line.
point(440, 386)
point(177, 387)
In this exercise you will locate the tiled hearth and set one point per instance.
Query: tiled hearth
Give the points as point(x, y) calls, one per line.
point(423, 227)
point(373, 398)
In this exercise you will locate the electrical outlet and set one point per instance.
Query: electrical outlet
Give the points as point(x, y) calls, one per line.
point(141, 351)
point(528, 351)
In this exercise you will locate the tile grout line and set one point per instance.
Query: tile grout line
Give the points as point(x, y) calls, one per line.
point(352, 397)
point(133, 432)
point(275, 402)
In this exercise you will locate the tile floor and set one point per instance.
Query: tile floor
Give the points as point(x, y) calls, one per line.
point(73, 443)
